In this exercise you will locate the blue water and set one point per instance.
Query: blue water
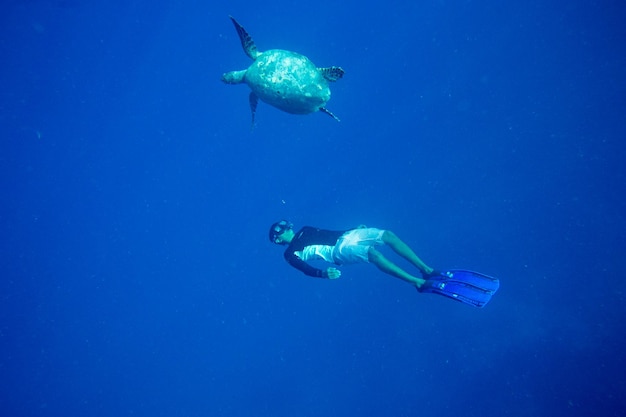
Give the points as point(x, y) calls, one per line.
point(136, 274)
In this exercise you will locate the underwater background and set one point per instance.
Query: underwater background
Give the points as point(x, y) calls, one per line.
point(137, 278)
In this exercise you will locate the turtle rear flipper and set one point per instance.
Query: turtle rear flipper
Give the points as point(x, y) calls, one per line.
point(246, 40)
point(328, 112)
point(332, 73)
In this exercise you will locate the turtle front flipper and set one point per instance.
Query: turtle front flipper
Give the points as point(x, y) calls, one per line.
point(328, 112)
point(246, 40)
point(254, 101)
point(332, 73)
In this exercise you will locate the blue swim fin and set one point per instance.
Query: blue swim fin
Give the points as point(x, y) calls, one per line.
point(468, 287)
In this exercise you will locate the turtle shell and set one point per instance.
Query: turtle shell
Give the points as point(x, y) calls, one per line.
point(288, 81)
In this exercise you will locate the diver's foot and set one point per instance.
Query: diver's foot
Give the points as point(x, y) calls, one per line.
point(434, 273)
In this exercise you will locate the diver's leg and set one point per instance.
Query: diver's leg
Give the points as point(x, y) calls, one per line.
point(390, 268)
point(405, 251)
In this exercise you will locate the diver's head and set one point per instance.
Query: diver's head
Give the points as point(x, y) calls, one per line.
point(277, 232)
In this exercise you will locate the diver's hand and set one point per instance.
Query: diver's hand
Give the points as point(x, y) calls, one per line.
point(333, 273)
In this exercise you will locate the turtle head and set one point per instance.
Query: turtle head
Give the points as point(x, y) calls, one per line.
point(234, 77)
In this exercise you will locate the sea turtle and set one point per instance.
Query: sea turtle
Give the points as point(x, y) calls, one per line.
point(284, 79)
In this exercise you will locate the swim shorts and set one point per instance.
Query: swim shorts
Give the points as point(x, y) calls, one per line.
point(353, 246)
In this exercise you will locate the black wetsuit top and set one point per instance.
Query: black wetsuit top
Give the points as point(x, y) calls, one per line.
point(308, 236)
